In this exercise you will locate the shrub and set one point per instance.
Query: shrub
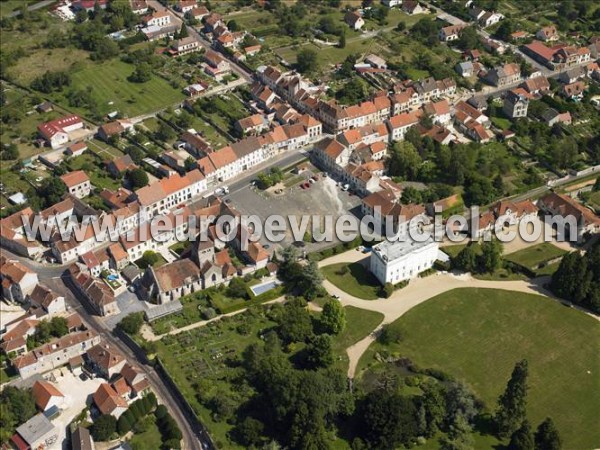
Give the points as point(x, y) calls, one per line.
point(390, 334)
point(161, 411)
point(387, 290)
point(208, 313)
point(132, 323)
point(104, 427)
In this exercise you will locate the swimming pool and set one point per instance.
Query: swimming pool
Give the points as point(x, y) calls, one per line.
point(265, 287)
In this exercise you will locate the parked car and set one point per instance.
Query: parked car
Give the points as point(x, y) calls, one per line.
point(345, 187)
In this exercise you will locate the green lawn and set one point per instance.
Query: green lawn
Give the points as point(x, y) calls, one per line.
point(477, 335)
point(532, 257)
point(149, 439)
point(453, 250)
point(357, 281)
point(501, 122)
point(108, 83)
point(359, 324)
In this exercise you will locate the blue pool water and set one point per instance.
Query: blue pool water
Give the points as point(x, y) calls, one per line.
point(265, 287)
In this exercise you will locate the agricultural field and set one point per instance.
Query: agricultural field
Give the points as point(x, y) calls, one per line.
point(477, 335)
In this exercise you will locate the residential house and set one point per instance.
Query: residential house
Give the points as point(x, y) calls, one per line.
point(216, 66)
point(490, 18)
point(574, 91)
point(55, 353)
point(17, 280)
point(510, 213)
point(46, 299)
point(136, 380)
point(56, 132)
point(516, 103)
point(253, 124)
point(472, 122)
point(451, 33)
point(566, 207)
point(354, 20)
point(184, 6)
point(76, 149)
point(412, 7)
point(504, 75)
point(537, 86)
point(397, 261)
point(95, 292)
point(195, 144)
point(118, 166)
point(78, 183)
point(14, 339)
point(572, 75)
point(332, 154)
point(220, 165)
point(110, 129)
point(313, 127)
point(185, 45)
point(47, 395)
point(194, 90)
point(547, 34)
point(438, 111)
point(164, 195)
point(157, 19)
point(212, 21)
point(398, 125)
point(476, 13)
point(139, 6)
point(119, 258)
point(198, 13)
point(108, 401)
point(106, 360)
point(551, 116)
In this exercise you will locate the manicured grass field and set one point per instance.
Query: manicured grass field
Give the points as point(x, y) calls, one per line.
point(108, 83)
point(357, 281)
point(477, 335)
point(531, 257)
point(453, 250)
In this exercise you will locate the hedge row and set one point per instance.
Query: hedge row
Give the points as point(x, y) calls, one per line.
point(136, 411)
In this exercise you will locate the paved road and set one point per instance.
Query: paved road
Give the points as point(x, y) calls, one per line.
point(239, 70)
point(32, 7)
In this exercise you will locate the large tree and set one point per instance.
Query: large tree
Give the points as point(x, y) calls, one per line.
point(333, 317)
point(307, 60)
point(512, 403)
point(547, 437)
point(103, 427)
point(388, 420)
point(522, 439)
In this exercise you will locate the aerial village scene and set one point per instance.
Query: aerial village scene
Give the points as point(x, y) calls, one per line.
point(176, 180)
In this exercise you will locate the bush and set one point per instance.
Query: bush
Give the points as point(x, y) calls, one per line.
point(208, 313)
point(161, 411)
point(132, 323)
point(390, 334)
point(103, 428)
point(343, 270)
point(387, 290)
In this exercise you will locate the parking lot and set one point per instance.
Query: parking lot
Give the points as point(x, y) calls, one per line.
point(78, 395)
point(323, 197)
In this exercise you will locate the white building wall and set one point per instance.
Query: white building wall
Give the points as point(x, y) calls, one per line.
point(405, 267)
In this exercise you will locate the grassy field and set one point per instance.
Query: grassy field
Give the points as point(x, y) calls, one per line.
point(357, 281)
point(453, 250)
point(92, 165)
point(477, 335)
point(109, 86)
point(532, 257)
